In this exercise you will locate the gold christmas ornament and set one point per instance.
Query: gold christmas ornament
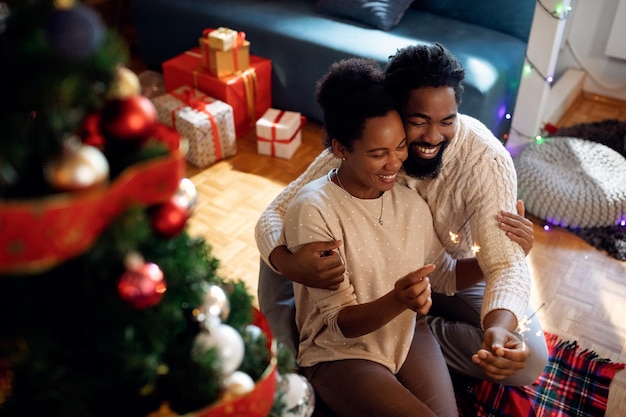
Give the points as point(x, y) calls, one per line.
point(126, 84)
point(64, 4)
point(78, 167)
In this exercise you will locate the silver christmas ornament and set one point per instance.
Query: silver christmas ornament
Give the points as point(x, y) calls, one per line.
point(227, 341)
point(214, 309)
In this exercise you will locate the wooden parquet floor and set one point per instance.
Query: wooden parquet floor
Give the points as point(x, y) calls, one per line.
point(583, 291)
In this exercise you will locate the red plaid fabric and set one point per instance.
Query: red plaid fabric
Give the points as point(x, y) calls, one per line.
point(573, 384)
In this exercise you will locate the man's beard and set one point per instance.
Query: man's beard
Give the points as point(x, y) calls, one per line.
point(421, 168)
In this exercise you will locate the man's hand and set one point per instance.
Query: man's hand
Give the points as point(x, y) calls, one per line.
point(517, 227)
point(316, 264)
point(502, 355)
point(413, 290)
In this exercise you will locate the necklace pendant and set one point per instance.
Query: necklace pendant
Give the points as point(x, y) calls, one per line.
point(380, 221)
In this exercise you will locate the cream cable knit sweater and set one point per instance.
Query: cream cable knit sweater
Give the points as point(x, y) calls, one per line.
point(477, 179)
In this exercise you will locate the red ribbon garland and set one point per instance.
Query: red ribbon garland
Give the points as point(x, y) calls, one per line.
point(38, 234)
point(198, 103)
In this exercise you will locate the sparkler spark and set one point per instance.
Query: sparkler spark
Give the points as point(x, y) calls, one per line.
point(523, 325)
point(454, 237)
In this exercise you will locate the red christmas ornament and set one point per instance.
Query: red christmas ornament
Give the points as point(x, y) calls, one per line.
point(550, 129)
point(170, 218)
point(6, 380)
point(142, 285)
point(89, 131)
point(129, 119)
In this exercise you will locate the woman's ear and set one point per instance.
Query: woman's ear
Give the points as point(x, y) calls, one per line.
point(339, 150)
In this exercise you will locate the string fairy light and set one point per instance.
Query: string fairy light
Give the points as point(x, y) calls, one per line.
point(560, 13)
point(529, 67)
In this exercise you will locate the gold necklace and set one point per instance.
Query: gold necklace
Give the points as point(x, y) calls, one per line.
point(356, 200)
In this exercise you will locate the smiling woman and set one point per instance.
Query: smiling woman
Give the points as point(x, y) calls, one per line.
point(372, 325)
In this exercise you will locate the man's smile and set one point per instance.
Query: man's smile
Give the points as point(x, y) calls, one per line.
point(426, 152)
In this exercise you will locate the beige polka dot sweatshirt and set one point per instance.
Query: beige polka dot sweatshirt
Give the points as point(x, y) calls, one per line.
point(375, 256)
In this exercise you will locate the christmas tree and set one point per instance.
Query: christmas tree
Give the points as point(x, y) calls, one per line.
point(107, 305)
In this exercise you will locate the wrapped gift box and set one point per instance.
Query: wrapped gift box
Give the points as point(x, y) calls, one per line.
point(207, 123)
point(223, 63)
point(279, 133)
point(222, 39)
point(249, 93)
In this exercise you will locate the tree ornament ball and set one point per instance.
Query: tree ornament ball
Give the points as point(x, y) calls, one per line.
point(253, 332)
point(186, 195)
point(78, 167)
point(238, 383)
point(152, 83)
point(129, 119)
point(75, 32)
point(125, 84)
point(299, 395)
point(142, 285)
point(89, 131)
point(228, 343)
point(214, 309)
point(169, 219)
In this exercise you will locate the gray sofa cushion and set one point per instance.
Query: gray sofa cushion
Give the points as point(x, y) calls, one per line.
point(381, 14)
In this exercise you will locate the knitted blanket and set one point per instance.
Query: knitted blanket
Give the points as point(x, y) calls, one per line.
point(611, 133)
point(573, 384)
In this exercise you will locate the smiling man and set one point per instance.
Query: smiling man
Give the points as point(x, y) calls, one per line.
point(469, 182)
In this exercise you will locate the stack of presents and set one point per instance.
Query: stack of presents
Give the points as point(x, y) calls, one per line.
point(218, 93)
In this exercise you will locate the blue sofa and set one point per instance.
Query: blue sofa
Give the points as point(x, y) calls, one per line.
point(490, 39)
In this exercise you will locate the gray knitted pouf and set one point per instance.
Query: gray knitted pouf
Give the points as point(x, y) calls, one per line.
point(572, 182)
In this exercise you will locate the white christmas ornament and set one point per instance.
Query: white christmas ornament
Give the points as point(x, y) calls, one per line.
point(253, 332)
point(228, 343)
point(186, 196)
point(238, 383)
point(214, 309)
point(299, 395)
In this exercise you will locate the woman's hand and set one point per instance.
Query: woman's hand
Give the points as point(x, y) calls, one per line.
point(413, 290)
point(517, 227)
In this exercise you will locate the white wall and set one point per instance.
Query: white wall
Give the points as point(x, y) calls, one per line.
point(584, 45)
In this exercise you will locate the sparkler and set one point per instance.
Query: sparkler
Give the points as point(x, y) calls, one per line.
point(454, 238)
point(523, 327)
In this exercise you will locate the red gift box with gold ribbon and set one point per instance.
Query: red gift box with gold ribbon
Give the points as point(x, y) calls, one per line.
point(249, 93)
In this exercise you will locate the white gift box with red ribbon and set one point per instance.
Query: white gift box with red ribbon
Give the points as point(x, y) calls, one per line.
point(279, 133)
point(207, 124)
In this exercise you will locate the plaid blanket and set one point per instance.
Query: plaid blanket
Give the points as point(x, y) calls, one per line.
point(573, 384)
